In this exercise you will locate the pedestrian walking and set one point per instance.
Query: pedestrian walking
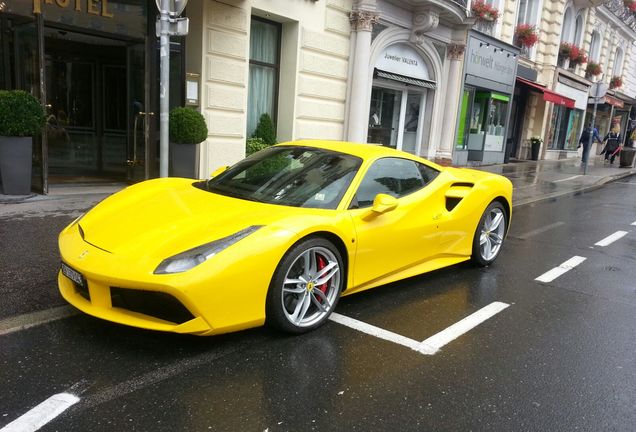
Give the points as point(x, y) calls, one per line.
point(613, 145)
point(588, 136)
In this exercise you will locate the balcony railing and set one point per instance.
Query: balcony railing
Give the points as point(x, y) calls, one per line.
point(618, 8)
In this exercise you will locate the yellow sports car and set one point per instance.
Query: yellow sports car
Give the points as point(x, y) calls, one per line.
point(277, 238)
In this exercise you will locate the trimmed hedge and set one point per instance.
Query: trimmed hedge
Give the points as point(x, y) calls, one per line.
point(20, 114)
point(265, 130)
point(187, 126)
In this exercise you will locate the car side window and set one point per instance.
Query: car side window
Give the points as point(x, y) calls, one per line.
point(392, 176)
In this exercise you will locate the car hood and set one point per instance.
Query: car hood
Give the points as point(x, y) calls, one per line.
point(164, 217)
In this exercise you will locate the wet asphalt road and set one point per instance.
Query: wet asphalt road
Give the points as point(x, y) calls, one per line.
point(562, 357)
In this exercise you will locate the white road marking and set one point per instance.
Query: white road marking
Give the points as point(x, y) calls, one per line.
point(611, 239)
point(566, 179)
point(541, 230)
point(634, 223)
point(433, 344)
point(375, 331)
point(42, 414)
point(33, 319)
point(560, 270)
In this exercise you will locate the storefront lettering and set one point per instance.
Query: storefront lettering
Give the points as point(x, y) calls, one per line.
point(92, 7)
point(490, 63)
point(406, 60)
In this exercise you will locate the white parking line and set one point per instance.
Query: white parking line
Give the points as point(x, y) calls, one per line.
point(42, 414)
point(611, 238)
point(33, 319)
point(433, 344)
point(551, 275)
point(566, 179)
point(541, 230)
point(634, 223)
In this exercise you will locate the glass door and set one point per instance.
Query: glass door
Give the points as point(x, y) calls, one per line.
point(413, 114)
point(384, 121)
point(138, 115)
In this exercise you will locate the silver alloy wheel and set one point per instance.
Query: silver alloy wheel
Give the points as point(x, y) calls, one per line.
point(310, 287)
point(492, 234)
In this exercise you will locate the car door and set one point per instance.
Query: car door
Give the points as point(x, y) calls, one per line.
point(391, 243)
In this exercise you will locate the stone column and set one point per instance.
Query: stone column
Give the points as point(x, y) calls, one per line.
point(362, 23)
point(455, 54)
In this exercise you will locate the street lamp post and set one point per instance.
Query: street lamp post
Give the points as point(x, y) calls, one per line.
point(597, 91)
point(168, 24)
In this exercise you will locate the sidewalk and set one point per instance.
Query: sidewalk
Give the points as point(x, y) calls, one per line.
point(532, 180)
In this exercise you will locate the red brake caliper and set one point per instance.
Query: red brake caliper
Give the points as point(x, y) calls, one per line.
point(321, 264)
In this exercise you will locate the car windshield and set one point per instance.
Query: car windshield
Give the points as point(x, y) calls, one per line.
point(290, 176)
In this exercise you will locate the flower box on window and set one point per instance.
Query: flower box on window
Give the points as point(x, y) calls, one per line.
point(483, 12)
point(526, 35)
point(593, 69)
point(616, 82)
point(573, 53)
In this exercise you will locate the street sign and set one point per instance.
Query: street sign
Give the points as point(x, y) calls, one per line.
point(598, 89)
point(176, 26)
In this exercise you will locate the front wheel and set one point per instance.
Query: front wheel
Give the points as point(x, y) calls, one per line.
point(489, 235)
point(306, 286)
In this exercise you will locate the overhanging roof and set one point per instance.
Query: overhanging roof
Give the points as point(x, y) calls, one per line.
point(405, 80)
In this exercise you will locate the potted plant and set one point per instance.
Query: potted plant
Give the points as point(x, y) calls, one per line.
point(577, 56)
point(535, 142)
point(187, 129)
point(21, 117)
point(526, 35)
point(593, 69)
point(616, 82)
point(483, 12)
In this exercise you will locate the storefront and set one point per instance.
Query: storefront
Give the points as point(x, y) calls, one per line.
point(94, 65)
point(401, 87)
point(489, 78)
point(566, 120)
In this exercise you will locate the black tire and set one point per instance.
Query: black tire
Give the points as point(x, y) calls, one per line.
point(493, 237)
point(295, 306)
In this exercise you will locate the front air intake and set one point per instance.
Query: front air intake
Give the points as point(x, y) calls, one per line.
point(155, 304)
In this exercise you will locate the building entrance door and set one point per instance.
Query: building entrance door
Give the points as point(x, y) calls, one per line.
point(396, 117)
point(94, 93)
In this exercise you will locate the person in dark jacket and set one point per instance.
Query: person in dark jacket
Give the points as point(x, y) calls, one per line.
point(588, 132)
point(612, 143)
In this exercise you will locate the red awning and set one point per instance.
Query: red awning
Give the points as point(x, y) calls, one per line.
point(548, 95)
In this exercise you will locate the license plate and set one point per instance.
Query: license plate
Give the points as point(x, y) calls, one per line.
point(73, 275)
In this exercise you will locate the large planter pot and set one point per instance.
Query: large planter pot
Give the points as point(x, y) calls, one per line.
point(15, 165)
point(536, 146)
point(184, 160)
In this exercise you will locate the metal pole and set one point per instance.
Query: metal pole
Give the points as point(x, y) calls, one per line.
point(164, 88)
point(588, 145)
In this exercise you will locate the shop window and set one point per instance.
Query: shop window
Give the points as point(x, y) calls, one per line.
point(484, 115)
point(565, 127)
point(264, 70)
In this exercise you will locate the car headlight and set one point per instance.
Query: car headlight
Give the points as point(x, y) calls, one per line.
point(193, 257)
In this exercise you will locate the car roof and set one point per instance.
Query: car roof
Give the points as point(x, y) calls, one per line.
point(364, 151)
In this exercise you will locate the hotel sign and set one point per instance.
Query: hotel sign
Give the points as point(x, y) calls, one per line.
point(93, 7)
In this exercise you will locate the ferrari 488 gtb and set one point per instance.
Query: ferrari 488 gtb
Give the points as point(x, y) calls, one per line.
point(277, 238)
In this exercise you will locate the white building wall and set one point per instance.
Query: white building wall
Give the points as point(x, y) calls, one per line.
point(313, 79)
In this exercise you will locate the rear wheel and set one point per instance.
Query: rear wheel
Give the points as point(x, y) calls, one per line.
point(306, 286)
point(489, 235)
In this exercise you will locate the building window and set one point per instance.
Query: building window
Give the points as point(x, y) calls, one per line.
point(618, 63)
point(595, 47)
point(528, 12)
point(568, 24)
point(578, 31)
point(264, 71)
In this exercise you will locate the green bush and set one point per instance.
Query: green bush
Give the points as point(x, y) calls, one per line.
point(20, 114)
point(187, 126)
point(254, 145)
point(265, 130)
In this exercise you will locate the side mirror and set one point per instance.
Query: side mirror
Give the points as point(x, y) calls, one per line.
point(219, 170)
point(384, 203)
